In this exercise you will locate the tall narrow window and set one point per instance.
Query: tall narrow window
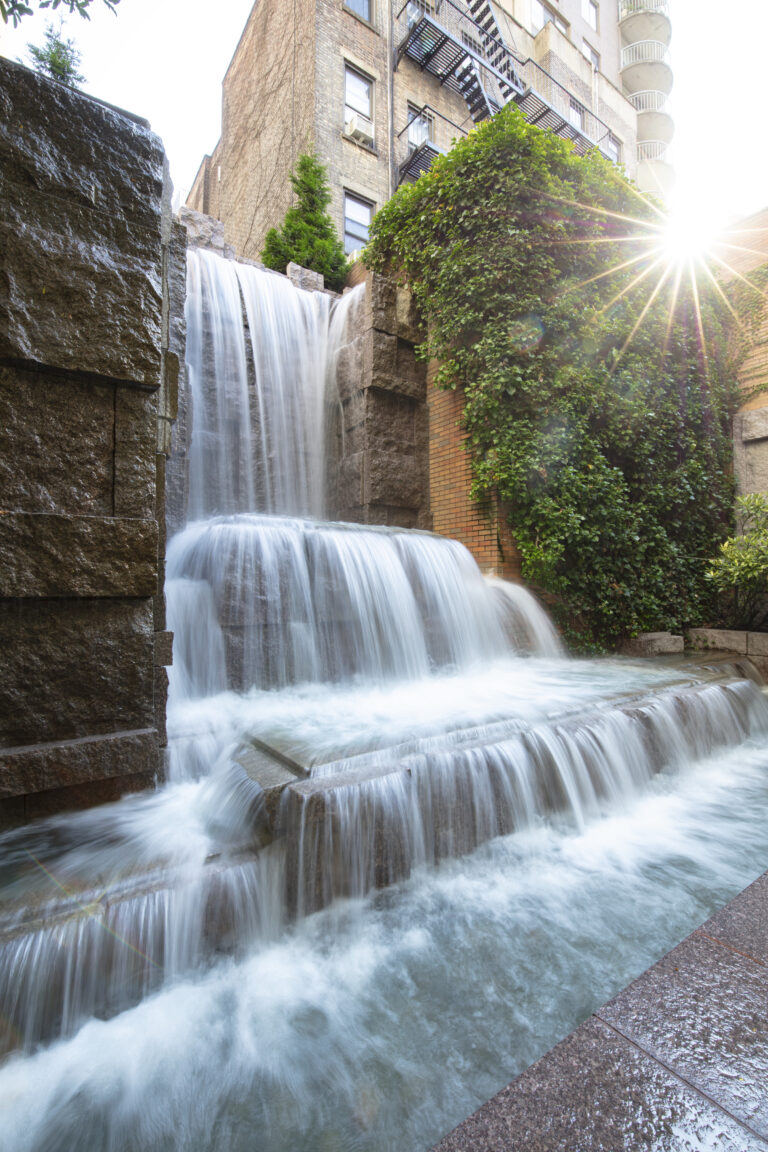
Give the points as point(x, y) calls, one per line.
point(361, 8)
point(421, 127)
point(591, 55)
point(357, 221)
point(613, 148)
point(589, 12)
point(576, 115)
point(358, 98)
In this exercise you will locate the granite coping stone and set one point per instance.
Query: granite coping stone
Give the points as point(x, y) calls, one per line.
point(678, 1061)
point(595, 1092)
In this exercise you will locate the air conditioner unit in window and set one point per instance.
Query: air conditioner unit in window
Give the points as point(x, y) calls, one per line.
point(359, 129)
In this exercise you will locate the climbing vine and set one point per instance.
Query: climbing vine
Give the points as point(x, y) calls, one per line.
point(599, 385)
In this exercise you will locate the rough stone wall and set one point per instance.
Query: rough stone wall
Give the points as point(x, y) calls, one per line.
point(89, 355)
point(268, 112)
point(382, 445)
point(481, 528)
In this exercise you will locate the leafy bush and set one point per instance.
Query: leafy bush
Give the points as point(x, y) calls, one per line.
point(597, 404)
point(308, 236)
point(742, 566)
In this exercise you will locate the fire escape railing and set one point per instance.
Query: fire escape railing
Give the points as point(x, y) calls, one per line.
point(464, 50)
point(427, 135)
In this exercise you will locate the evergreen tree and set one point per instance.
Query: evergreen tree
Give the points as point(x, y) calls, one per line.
point(307, 236)
point(58, 58)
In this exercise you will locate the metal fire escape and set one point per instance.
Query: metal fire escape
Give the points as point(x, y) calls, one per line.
point(464, 49)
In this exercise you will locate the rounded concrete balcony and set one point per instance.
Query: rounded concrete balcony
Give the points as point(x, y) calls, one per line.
point(644, 66)
point(655, 176)
point(645, 20)
point(651, 149)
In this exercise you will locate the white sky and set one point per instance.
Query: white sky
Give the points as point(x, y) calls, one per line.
point(165, 59)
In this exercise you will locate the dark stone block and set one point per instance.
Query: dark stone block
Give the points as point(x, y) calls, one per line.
point(40, 767)
point(47, 556)
point(743, 924)
point(393, 478)
point(389, 421)
point(595, 1092)
point(701, 1011)
point(163, 649)
point(74, 667)
point(161, 703)
point(56, 444)
point(79, 289)
point(38, 805)
point(58, 141)
point(135, 456)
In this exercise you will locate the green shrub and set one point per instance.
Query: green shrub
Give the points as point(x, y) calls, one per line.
point(597, 405)
point(742, 566)
point(307, 236)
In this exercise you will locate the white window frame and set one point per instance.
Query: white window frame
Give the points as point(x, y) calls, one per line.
point(421, 127)
point(591, 55)
point(577, 114)
point(353, 243)
point(350, 109)
point(590, 10)
point(614, 145)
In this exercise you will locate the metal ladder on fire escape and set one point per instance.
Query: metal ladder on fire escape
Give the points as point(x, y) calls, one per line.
point(481, 105)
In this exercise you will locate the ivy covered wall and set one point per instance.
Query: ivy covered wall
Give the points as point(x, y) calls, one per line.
point(598, 379)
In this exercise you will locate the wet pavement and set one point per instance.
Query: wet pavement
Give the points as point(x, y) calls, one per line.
point(677, 1062)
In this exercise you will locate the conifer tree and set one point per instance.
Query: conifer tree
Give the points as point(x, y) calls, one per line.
point(307, 236)
point(58, 58)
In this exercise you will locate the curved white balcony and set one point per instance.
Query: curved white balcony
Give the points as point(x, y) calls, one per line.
point(655, 126)
point(644, 67)
point(649, 101)
point(651, 149)
point(645, 20)
point(655, 176)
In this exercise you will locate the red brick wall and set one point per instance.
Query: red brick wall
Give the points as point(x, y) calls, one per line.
point(480, 527)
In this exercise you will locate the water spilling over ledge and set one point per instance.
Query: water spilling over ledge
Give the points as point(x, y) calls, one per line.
point(219, 965)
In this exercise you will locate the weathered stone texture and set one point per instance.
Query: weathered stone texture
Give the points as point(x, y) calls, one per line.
point(58, 141)
point(56, 444)
point(654, 644)
point(68, 667)
point(38, 767)
point(90, 556)
point(92, 280)
point(79, 289)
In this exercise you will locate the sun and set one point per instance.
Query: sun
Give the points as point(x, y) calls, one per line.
point(687, 237)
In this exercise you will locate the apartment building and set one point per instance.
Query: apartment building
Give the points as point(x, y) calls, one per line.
point(379, 88)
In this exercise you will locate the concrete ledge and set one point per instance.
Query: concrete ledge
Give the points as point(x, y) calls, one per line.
point(45, 555)
point(719, 639)
point(677, 1061)
point(654, 644)
point(40, 767)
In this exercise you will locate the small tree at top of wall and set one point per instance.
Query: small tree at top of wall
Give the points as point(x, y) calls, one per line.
point(13, 11)
point(307, 235)
point(58, 58)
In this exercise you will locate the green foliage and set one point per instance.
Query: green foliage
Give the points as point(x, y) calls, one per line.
point(15, 10)
point(58, 58)
point(742, 566)
point(595, 410)
point(308, 236)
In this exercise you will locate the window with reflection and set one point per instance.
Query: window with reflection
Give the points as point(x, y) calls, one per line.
point(358, 214)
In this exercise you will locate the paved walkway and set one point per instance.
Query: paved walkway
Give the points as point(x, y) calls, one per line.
point(677, 1062)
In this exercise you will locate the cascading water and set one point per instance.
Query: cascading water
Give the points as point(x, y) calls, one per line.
point(349, 707)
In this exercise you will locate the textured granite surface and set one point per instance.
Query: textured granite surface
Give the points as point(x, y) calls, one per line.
point(677, 1062)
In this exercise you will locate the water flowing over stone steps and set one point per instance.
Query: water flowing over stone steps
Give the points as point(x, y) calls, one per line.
point(292, 843)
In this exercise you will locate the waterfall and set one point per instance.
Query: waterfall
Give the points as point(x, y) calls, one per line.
point(351, 707)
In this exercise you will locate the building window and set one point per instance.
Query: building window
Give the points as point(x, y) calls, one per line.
point(613, 148)
point(421, 127)
point(589, 12)
point(357, 221)
point(591, 55)
point(361, 8)
point(541, 15)
point(358, 99)
point(576, 115)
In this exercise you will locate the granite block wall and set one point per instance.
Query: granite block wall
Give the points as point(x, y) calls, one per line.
point(91, 338)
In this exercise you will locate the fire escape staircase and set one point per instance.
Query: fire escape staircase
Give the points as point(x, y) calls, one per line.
point(445, 53)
